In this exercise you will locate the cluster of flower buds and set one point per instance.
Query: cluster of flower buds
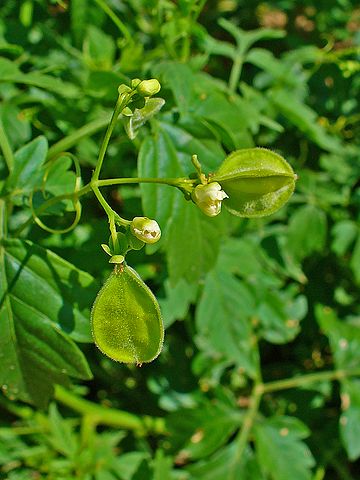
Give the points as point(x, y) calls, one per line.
point(145, 229)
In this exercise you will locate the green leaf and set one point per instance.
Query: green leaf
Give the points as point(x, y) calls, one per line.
point(177, 301)
point(157, 158)
point(61, 433)
point(241, 256)
point(217, 47)
point(9, 72)
point(202, 431)
point(280, 314)
point(60, 179)
point(179, 78)
point(27, 166)
point(280, 451)
point(344, 338)
point(17, 126)
point(44, 306)
point(344, 233)
point(355, 260)
point(209, 152)
point(307, 231)
point(142, 115)
point(278, 69)
point(222, 465)
point(223, 319)
point(8, 68)
point(47, 82)
point(162, 466)
point(231, 119)
point(99, 49)
point(350, 418)
point(304, 118)
point(244, 38)
point(126, 465)
point(193, 242)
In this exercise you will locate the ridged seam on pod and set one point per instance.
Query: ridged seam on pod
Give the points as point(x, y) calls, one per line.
point(126, 320)
point(257, 181)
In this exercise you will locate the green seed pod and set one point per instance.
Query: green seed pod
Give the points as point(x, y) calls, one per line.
point(257, 181)
point(126, 320)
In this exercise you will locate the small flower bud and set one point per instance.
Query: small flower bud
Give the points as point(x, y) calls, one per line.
point(145, 229)
point(135, 82)
point(208, 198)
point(147, 88)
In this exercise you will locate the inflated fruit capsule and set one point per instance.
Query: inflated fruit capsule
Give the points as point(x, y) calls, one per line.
point(257, 181)
point(126, 320)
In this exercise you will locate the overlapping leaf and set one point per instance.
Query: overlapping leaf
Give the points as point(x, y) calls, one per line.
point(280, 450)
point(223, 319)
point(44, 307)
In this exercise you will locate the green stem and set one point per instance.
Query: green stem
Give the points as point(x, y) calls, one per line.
point(3, 219)
point(303, 380)
point(93, 185)
point(249, 418)
point(121, 26)
point(341, 469)
point(173, 182)
point(120, 105)
point(108, 210)
point(243, 436)
point(87, 430)
point(110, 416)
point(50, 203)
point(19, 410)
point(67, 142)
point(236, 72)
point(6, 148)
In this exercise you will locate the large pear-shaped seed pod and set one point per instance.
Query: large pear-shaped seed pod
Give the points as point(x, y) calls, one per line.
point(257, 181)
point(126, 318)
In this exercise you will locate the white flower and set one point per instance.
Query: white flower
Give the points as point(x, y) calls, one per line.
point(145, 229)
point(209, 197)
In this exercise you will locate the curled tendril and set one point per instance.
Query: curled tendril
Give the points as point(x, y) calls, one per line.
point(72, 196)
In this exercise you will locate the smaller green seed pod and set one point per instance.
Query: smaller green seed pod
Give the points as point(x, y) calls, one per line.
point(126, 320)
point(257, 181)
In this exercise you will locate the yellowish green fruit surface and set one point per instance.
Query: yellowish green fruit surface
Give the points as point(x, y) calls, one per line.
point(126, 320)
point(257, 181)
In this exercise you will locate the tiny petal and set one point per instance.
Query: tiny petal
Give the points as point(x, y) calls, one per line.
point(145, 229)
point(209, 197)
